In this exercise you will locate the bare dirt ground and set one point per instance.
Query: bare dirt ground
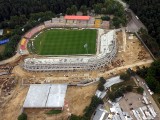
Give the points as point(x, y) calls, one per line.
point(8, 83)
point(77, 98)
point(13, 108)
point(134, 53)
point(53, 77)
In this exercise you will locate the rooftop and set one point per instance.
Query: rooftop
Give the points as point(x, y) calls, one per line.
point(45, 96)
point(73, 17)
point(100, 113)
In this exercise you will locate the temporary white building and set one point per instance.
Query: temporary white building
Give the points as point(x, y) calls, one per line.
point(46, 96)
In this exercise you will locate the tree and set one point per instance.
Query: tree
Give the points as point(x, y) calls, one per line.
point(123, 89)
point(116, 22)
point(74, 9)
point(1, 57)
point(125, 76)
point(23, 116)
point(140, 90)
point(27, 26)
point(157, 90)
point(91, 108)
point(129, 88)
point(102, 80)
point(75, 117)
point(97, 8)
point(112, 97)
point(100, 87)
point(142, 72)
point(68, 12)
point(83, 9)
point(107, 18)
point(151, 76)
point(118, 93)
point(103, 10)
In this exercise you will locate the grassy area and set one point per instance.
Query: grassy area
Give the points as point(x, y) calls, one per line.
point(156, 97)
point(51, 112)
point(65, 42)
point(125, 83)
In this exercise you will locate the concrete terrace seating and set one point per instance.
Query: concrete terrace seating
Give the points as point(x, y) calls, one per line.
point(34, 31)
point(23, 44)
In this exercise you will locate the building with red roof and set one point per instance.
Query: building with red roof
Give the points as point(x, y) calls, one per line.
point(74, 17)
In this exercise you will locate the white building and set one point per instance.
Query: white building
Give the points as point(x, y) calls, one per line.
point(45, 96)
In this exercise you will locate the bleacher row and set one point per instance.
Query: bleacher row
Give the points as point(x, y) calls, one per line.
point(23, 44)
point(28, 35)
point(34, 31)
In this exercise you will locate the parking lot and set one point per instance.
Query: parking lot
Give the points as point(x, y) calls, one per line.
point(131, 101)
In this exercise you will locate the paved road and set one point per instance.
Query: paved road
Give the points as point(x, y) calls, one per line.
point(157, 110)
point(134, 24)
point(10, 60)
point(14, 58)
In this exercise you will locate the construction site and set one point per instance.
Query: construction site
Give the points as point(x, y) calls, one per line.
point(15, 81)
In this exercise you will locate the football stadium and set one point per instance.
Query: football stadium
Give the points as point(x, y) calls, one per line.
point(69, 43)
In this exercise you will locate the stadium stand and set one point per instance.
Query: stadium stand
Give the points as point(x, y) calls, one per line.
point(55, 20)
point(34, 31)
point(48, 22)
point(97, 23)
point(105, 25)
point(67, 21)
point(23, 44)
point(107, 51)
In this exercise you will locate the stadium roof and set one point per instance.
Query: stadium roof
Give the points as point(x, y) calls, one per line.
point(45, 96)
point(73, 17)
point(100, 113)
point(112, 81)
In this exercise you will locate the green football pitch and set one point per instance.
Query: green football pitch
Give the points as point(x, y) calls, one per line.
point(65, 42)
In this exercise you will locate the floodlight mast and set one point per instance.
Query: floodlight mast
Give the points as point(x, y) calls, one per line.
point(86, 46)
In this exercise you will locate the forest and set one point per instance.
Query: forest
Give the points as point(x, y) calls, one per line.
point(18, 7)
point(151, 75)
point(149, 13)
